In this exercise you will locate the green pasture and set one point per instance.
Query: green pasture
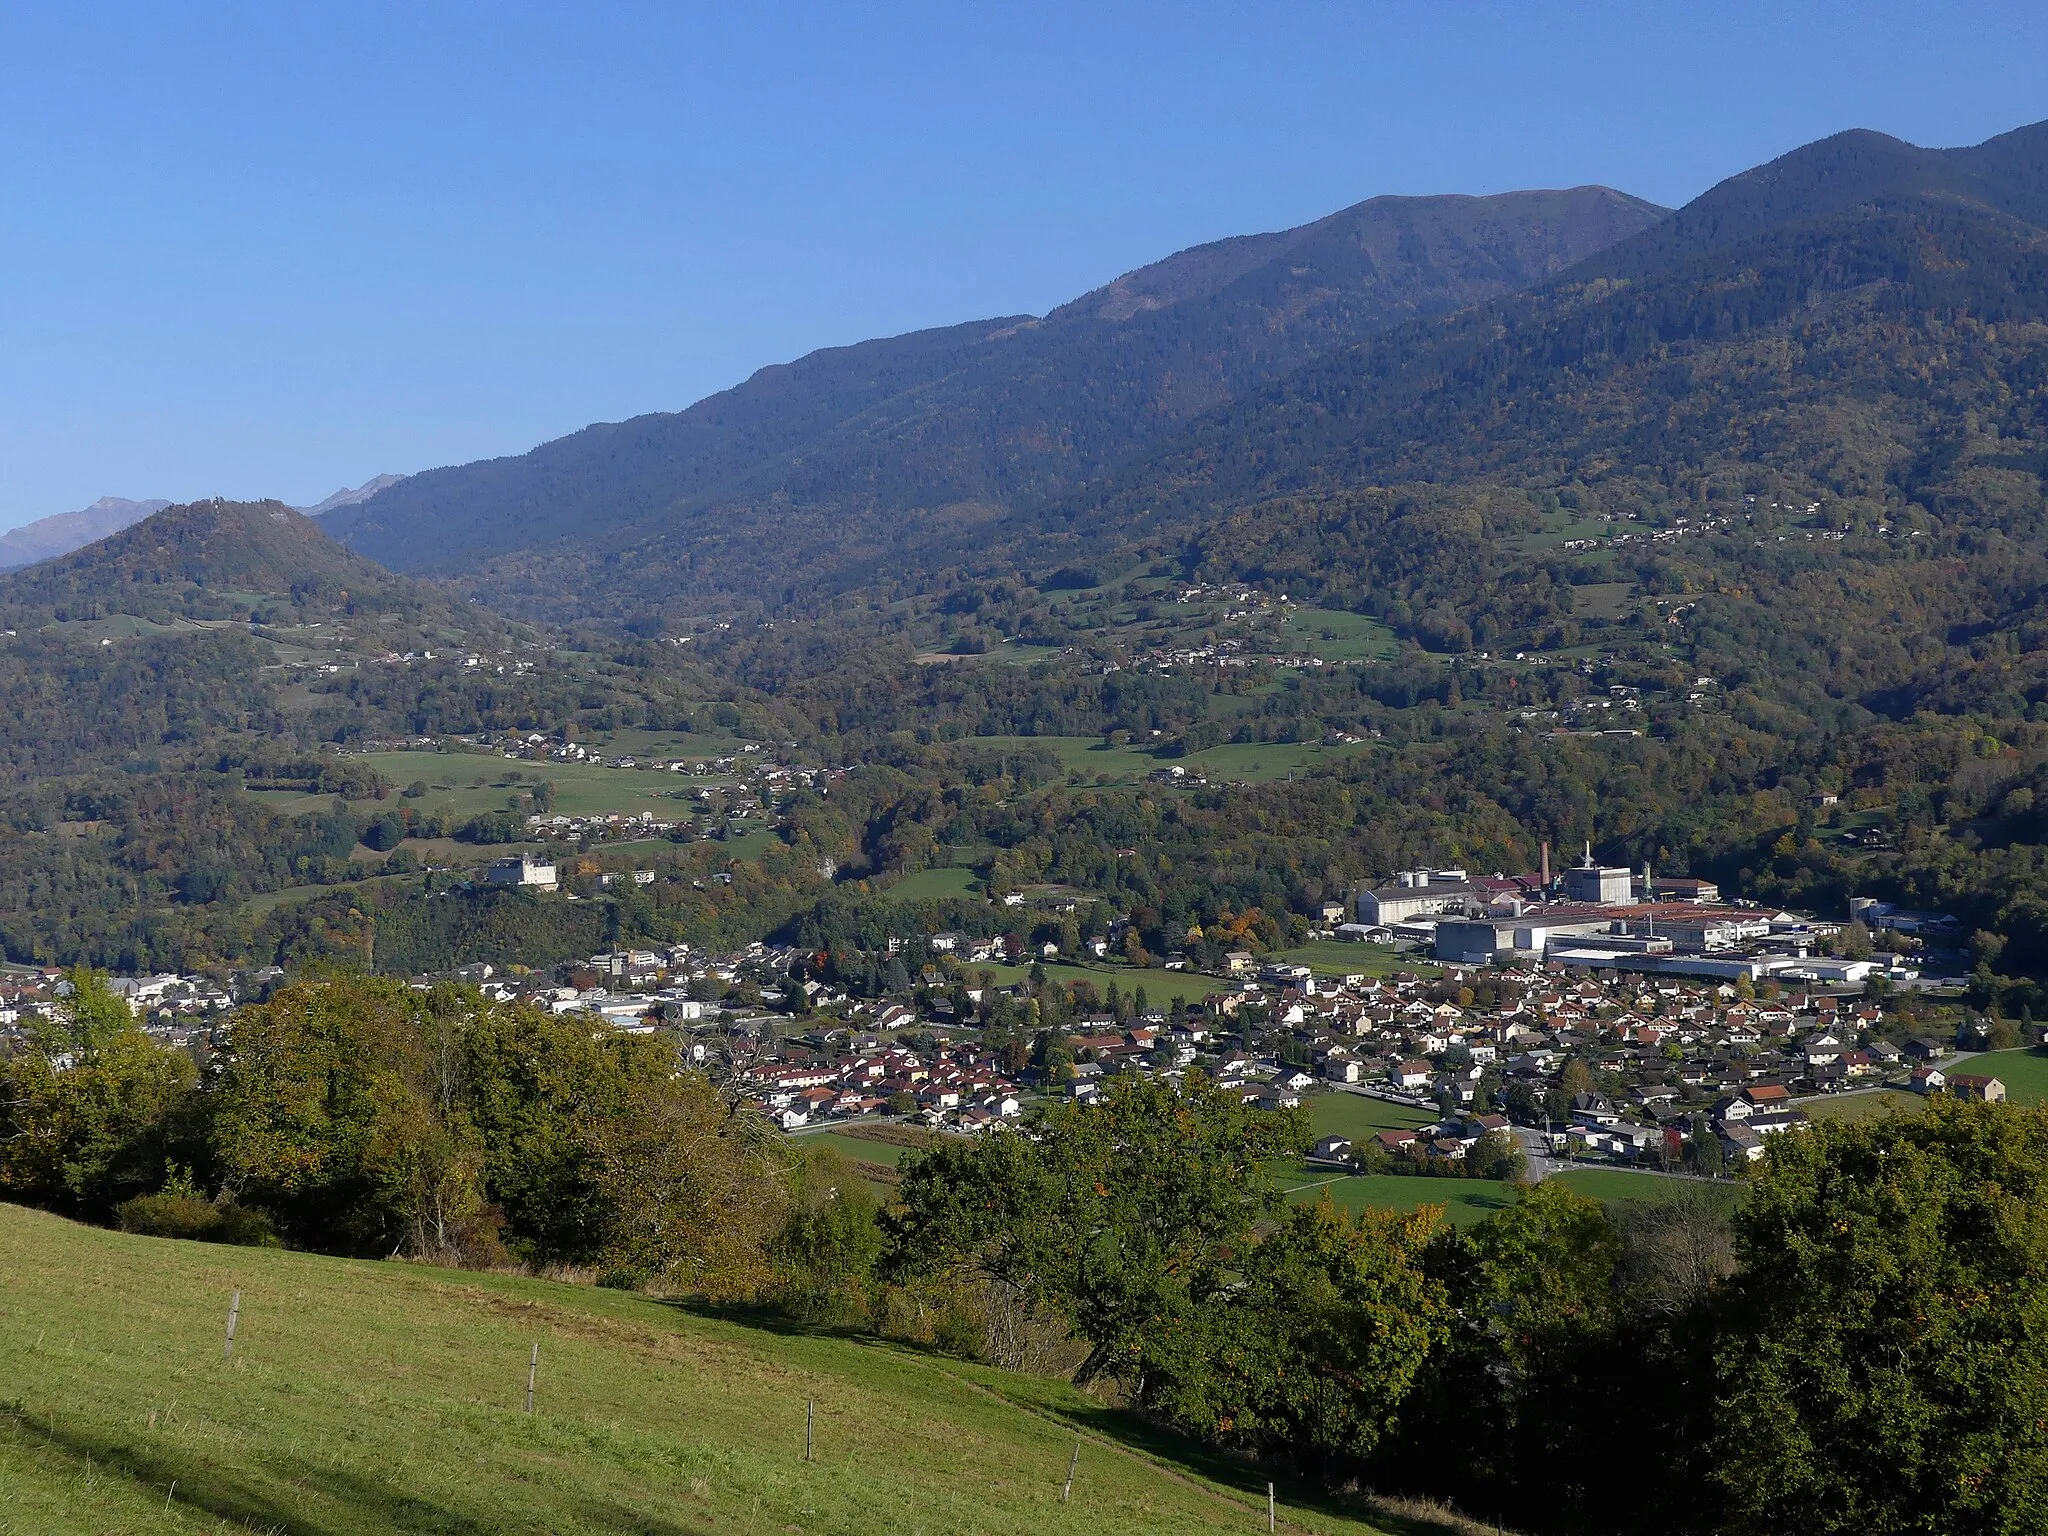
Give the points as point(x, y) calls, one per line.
point(581, 789)
point(1465, 1201)
point(1335, 635)
point(1864, 1106)
point(1334, 1113)
point(1161, 987)
point(1260, 762)
point(1340, 957)
point(1615, 1185)
point(366, 1396)
point(1253, 762)
point(2024, 1073)
point(860, 1148)
point(934, 885)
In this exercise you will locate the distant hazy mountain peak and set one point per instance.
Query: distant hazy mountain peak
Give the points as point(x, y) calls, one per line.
point(349, 498)
point(49, 537)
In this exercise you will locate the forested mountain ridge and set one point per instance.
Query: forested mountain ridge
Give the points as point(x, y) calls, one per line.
point(1842, 415)
point(862, 460)
point(1552, 385)
point(215, 560)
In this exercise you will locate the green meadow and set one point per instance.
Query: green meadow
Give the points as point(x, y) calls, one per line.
point(375, 1397)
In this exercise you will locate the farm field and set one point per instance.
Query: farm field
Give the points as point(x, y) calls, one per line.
point(1465, 1201)
point(1160, 986)
point(581, 789)
point(860, 1148)
point(1259, 762)
point(367, 1396)
point(2024, 1073)
point(1356, 1116)
point(1085, 755)
point(670, 746)
point(1256, 762)
point(934, 885)
point(747, 847)
point(1339, 957)
point(1336, 635)
point(266, 901)
point(1614, 1185)
point(1864, 1106)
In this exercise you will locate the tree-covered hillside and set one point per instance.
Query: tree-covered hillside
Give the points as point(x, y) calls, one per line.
point(856, 463)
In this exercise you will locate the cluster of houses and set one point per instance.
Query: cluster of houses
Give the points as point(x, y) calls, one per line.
point(959, 1085)
point(469, 661)
point(172, 1009)
point(1594, 1036)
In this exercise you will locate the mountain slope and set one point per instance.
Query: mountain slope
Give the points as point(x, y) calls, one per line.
point(49, 537)
point(1835, 175)
point(1589, 371)
point(1830, 434)
point(842, 465)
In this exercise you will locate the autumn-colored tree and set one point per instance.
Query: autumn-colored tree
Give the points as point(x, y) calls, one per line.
point(92, 1111)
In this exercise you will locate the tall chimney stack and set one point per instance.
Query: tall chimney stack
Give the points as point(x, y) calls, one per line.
point(1546, 865)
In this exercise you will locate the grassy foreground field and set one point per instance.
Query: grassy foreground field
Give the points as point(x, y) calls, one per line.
point(377, 1397)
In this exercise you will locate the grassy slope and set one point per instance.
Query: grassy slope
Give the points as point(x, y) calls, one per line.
point(1252, 761)
point(381, 1397)
point(1864, 1106)
point(934, 885)
point(581, 789)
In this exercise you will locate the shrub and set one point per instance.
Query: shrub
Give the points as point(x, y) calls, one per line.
point(180, 1212)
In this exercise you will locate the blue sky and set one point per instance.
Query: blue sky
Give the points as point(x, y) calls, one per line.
point(261, 249)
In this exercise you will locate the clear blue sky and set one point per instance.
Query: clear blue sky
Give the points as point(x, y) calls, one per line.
point(269, 249)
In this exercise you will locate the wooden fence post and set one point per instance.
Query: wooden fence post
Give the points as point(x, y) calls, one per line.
point(810, 1415)
point(532, 1370)
point(234, 1312)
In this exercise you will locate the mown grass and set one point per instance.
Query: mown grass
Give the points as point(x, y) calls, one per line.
point(1341, 957)
point(1621, 1185)
point(1864, 1106)
point(934, 885)
point(1359, 1117)
point(379, 1397)
point(861, 1149)
point(1161, 986)
point(2024, 1073)
point(1465, 1201)
point(581, 789)
point(1255, 762)
point(1336, 635)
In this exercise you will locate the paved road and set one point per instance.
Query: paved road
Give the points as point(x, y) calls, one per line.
point(1536, 1154)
